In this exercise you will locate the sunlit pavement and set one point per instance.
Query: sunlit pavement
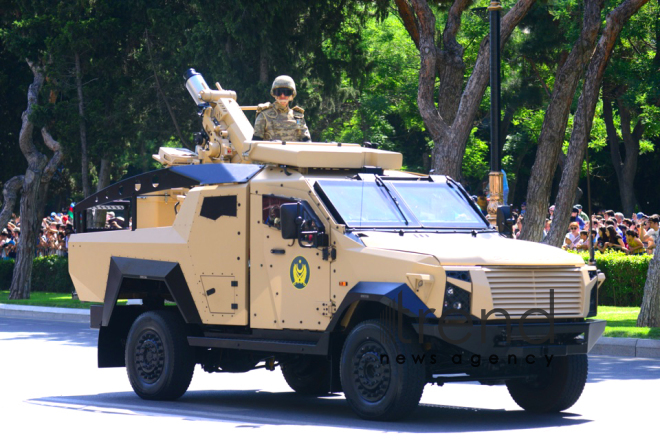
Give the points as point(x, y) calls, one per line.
point(51, 386)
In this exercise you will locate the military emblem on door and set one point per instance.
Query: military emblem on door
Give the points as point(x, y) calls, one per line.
point(299, 272)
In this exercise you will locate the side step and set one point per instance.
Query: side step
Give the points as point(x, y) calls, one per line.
point(267, 345)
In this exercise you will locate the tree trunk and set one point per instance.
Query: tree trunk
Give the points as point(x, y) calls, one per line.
point(87, 191)
point(631, 140)
point(583, 121)
point(555, 121)
point(450, 121)
point(104, 174)
point(30, 223)
point(99, 217)
point(649, 314)
point(35, 185)
point(612, 136)
point(451, 68)
point(10, 193)
point(625, 169)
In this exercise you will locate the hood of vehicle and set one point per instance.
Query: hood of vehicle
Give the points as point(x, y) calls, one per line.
point(486, 249)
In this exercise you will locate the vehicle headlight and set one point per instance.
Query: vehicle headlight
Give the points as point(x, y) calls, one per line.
point(456, 300)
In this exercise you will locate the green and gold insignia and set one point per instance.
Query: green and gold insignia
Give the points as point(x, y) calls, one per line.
point(299, 272)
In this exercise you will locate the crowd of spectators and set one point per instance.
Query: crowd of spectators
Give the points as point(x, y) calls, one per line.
point(609, 230)
point(53, 236)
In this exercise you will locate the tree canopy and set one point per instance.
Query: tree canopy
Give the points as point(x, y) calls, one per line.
point(114, 92)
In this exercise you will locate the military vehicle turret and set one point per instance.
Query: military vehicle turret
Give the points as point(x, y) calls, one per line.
point(323, 259)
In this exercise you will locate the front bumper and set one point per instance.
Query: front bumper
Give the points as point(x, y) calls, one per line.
point(517, 338)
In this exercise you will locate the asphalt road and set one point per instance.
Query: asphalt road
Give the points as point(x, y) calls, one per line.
point(50, 386)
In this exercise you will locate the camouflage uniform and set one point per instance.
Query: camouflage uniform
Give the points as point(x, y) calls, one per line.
point(276, 122)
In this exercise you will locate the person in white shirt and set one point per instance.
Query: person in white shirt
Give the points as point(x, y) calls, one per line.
point(573, 236)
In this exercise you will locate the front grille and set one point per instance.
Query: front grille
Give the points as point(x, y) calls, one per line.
point(518, 290)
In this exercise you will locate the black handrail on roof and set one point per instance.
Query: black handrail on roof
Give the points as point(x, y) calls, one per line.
point(186, 176)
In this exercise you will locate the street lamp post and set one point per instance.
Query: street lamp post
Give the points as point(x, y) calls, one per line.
point(495, 175)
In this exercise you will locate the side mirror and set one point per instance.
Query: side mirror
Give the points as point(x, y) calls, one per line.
point(299, 224)
point(289, 220)
point(505, 220)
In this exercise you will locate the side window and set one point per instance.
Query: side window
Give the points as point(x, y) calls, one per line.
point(270, 213)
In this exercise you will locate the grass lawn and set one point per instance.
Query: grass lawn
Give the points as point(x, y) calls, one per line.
point(48, 299)
point(621, 323)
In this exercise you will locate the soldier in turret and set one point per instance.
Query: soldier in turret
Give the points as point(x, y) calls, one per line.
point(276, 121)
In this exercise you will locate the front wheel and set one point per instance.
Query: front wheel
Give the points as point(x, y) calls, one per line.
point(377, 385)
point(556, 387)
point(159, 361)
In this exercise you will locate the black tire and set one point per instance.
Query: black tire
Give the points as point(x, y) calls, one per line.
point(159, 361)
point(308, 375)
point(378, 390)
point(555, 389)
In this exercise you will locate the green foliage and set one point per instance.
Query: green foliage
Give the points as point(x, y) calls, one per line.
point(356, 68)
point(380, 106)
point(476, 163)
point(49, 273)
point(625, 278)
point(132, 57)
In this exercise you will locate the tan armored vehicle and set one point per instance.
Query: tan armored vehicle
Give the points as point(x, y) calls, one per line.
point(323, 259)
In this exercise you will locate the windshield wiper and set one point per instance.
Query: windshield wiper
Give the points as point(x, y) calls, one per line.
point(380, 182)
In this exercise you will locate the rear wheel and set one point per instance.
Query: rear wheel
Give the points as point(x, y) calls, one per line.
point(308, 375)
point(159, 361)
point(556, 388)
point(376, 385)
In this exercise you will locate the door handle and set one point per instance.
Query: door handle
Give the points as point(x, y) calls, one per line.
point(277, 251)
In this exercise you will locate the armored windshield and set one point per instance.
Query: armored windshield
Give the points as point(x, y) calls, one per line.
point(398, 204)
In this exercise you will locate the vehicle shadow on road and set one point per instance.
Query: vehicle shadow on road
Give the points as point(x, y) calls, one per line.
point(259, 408)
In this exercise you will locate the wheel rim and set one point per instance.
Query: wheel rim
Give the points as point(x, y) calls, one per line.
point(372, 378)
point(149, 357)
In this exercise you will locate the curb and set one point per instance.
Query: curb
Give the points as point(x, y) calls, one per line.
point(52, 313)
point(623, 347)
point(627, 347)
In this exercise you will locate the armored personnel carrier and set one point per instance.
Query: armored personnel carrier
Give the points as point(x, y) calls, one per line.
point(324, 260)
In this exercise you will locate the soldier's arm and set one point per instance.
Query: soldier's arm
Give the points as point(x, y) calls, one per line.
point(306, 137)
point(259, 128)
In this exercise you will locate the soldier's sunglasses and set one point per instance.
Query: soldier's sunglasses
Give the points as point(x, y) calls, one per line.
point(282, 91)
